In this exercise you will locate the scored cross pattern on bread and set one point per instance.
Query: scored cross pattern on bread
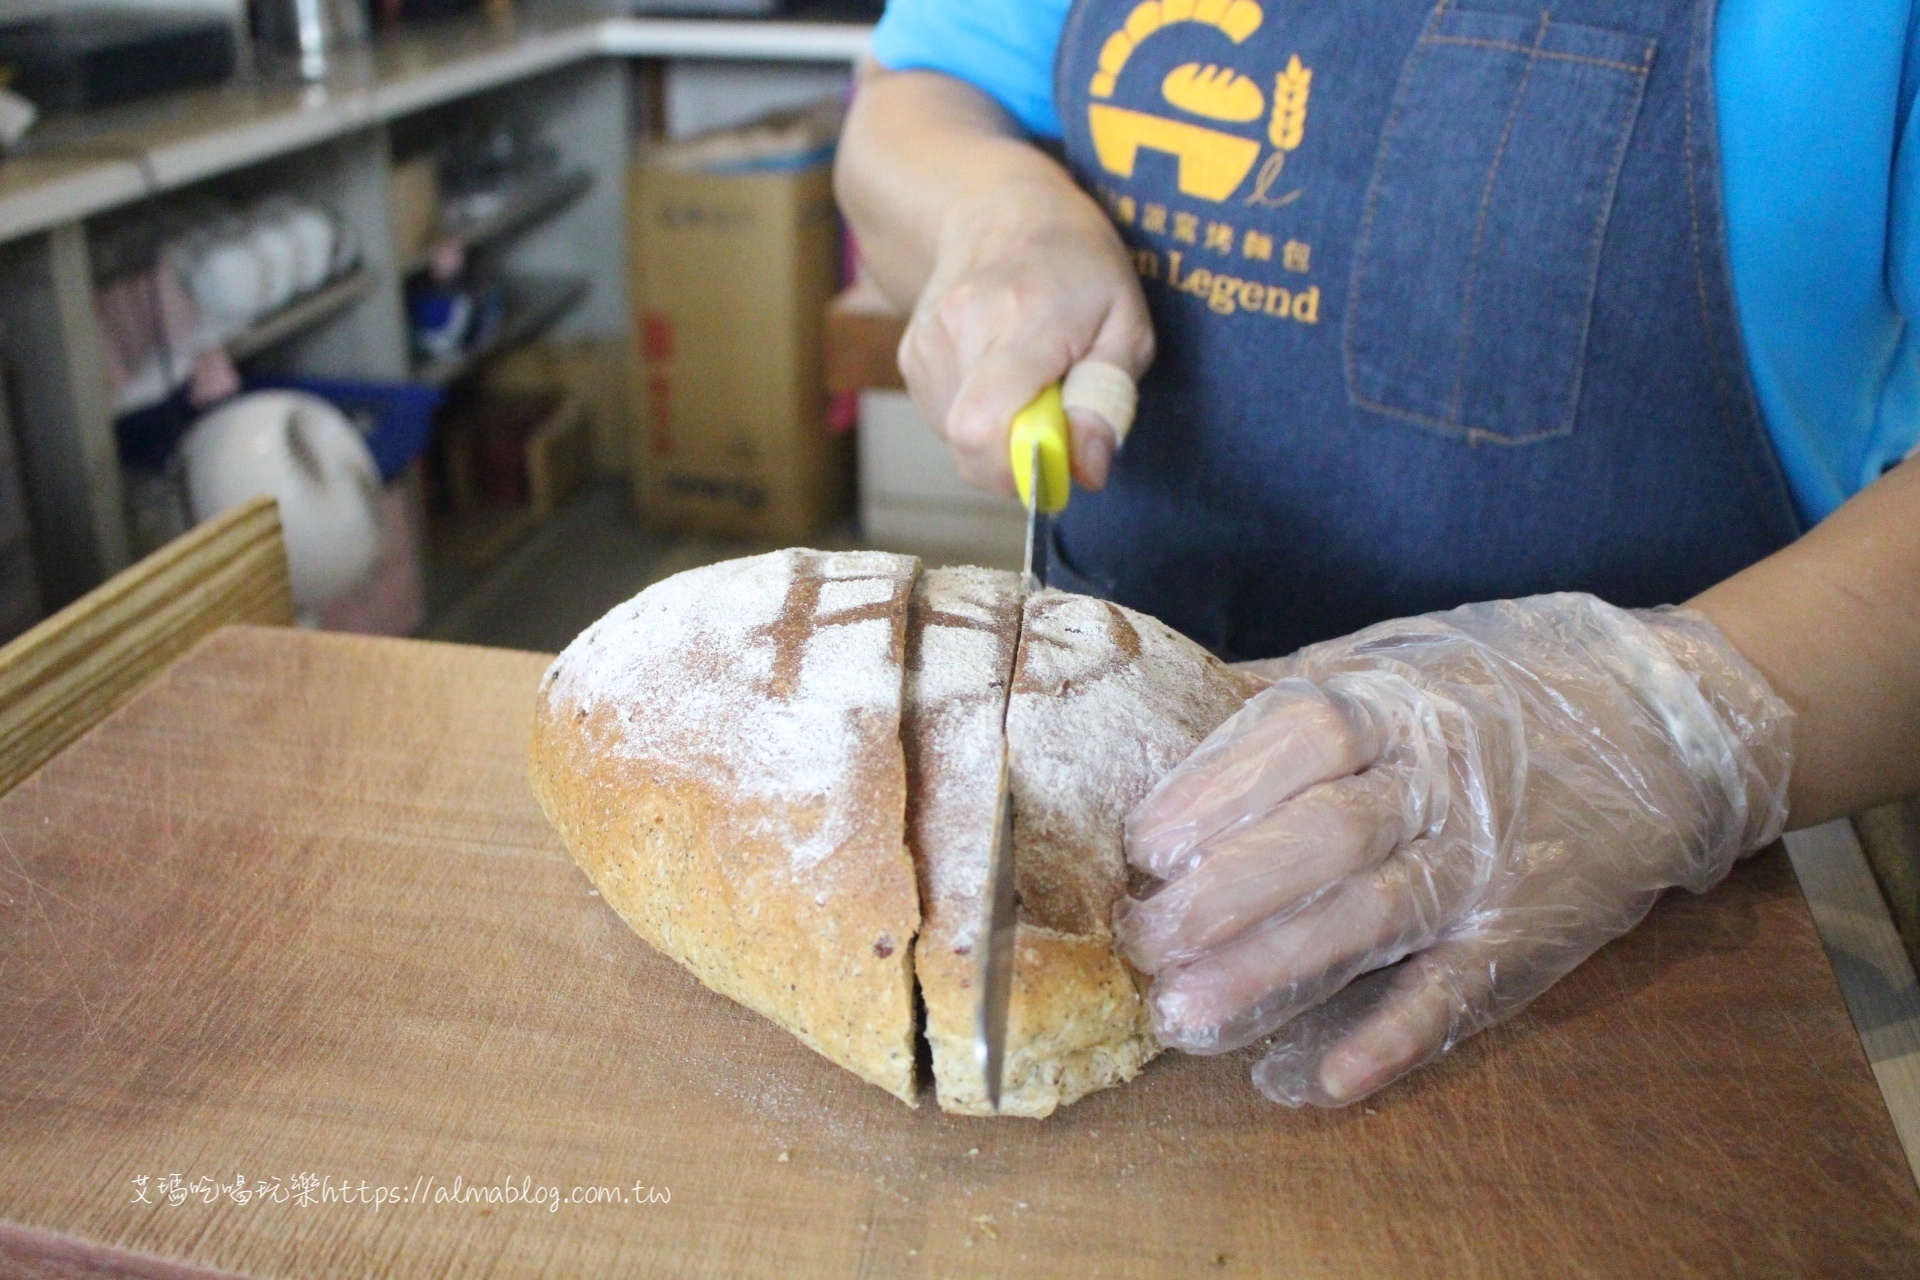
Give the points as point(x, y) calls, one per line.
point(742, 757)
point(825, 592)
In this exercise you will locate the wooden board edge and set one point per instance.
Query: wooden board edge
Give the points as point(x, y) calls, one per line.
point(73, 669)
point(1876, 978)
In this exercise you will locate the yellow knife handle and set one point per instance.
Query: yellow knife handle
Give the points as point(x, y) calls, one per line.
point(1045, 421)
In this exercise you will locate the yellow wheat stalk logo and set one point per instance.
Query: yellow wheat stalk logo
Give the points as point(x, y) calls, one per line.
point(1290, 91)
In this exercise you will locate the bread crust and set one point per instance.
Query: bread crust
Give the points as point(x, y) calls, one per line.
point(1105, 702)
point(961, 635)
point(741, 757)
point(797, 901)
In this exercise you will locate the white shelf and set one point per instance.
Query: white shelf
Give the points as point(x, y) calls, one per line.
point(302, 314)
point(523, 207)
point(331, 146)
point(718, 38)
point(191, 137)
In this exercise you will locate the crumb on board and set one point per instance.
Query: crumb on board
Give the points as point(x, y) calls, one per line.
point(783, 1157)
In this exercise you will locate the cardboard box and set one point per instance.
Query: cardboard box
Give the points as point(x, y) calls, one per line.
point(559, 459)
point(733, 273)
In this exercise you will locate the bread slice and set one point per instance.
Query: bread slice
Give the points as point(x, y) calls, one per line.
point(1105, 701)
point(961, 636)
point(722, 756)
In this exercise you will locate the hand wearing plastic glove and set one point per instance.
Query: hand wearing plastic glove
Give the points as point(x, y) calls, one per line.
point(1489, 794)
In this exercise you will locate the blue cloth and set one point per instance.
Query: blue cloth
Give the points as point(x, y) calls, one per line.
point(1823, 211)
point(1822, 202)
point(1004, 47)
point(1430, 330)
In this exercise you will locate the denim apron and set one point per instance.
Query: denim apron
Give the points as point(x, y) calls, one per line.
point(1443, 309)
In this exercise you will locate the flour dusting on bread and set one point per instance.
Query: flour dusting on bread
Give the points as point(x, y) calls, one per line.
point(722, 756)
point(782, 771)
point(961, 635)
point(1105, 701)
point(779, 666)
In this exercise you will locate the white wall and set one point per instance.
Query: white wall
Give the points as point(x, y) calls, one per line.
point(713, 95)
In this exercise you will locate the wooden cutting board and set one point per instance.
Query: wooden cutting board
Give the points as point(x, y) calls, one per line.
point(292, 916)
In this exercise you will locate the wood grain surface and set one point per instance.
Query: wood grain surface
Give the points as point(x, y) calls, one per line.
point(291, 912)
point(58, 679)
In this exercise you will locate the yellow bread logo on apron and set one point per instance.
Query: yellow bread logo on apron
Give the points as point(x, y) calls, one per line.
point(1213, 164)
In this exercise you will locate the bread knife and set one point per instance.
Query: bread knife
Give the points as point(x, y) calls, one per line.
point(1042, 473)
point(1038, 449)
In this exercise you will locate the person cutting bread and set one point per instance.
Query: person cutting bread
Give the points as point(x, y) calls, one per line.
point(1469, 338)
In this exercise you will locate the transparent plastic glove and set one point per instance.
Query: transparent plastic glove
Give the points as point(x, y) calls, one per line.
point(1489, 795)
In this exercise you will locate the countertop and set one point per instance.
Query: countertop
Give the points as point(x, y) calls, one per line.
point(288, 931)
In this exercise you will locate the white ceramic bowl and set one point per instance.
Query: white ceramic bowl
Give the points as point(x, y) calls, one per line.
point(228, 281)
point(313, 236)
point(280, 253)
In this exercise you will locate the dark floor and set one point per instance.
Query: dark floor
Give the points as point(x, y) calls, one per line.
point(589, 557)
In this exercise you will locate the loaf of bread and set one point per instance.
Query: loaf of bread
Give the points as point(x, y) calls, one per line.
point(781, 772)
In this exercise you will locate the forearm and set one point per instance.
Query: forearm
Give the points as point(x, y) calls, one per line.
point(926, 157)
point(1833, 622)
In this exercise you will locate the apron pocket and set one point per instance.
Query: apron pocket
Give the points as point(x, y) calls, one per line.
point(1479, 247)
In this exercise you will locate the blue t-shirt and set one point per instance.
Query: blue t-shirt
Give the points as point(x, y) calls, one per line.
point(1822, 194)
